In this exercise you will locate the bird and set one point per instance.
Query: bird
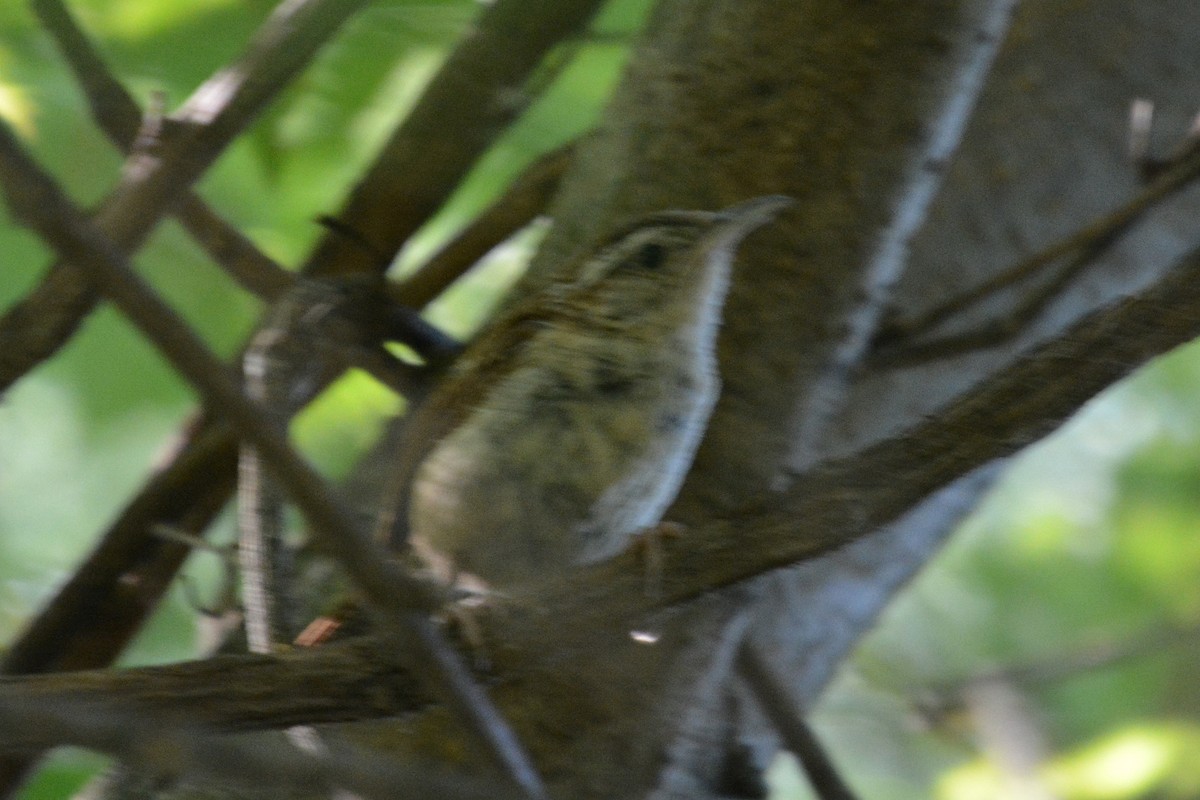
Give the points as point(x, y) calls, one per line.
point(566, 429)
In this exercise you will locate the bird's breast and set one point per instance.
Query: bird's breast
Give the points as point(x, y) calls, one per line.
point(561, 463)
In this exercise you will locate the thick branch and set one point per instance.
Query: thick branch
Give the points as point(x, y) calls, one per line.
point(903, 343)
point(163, 748)
point(37, 200)
point(475, 95)
point(334, 683)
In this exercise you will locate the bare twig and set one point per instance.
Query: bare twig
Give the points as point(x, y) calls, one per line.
point(787, 717)
point(476, 94)
point(112, 107)
point(521, 203)
point(1000, 330)
point(253, 269)
point(34, 198)
point(898, 343)
point(154, 181)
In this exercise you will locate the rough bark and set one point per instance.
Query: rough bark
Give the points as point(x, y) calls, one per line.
point(727, 100)
point(831, 103)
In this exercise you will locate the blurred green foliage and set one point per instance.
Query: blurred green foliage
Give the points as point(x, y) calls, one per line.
point(1076, 586)
point(80, 434)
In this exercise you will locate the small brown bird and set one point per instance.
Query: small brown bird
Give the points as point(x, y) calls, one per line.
point(568, 427)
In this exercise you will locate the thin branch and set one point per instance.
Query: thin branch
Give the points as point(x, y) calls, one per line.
point(117, 114)
point(167, 748)
point(185, 495)
point(34, 198)
point(153, 182)
point(477, 93)
point(254, 270)
point(524, 199)
point(897, 343)
point(1060, 666)
point(998, 331)
point(111, 106)
point(61, 635)
point(787, 717)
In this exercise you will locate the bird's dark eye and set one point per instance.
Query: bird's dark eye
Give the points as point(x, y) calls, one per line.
point(650, 255)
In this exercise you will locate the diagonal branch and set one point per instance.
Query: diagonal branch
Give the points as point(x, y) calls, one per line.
point(118, 115)
point(904, 342)
point(221, 108)
point(62, 635)
point(776, 702)
point(477, 93)
point(122, 579)
point(34, 198)
point(524, 199)
point(843, 500)
point(167, 748)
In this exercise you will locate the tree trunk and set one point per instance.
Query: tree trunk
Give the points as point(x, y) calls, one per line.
point(854, 109)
